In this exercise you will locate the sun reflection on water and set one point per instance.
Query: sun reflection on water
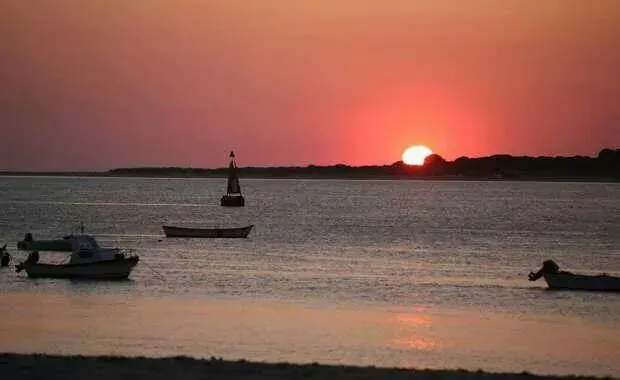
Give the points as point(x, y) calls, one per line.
point(417, 343)
point(414, 331)
point(419, 320)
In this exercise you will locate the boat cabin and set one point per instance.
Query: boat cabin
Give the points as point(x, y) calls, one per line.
point(87, 250)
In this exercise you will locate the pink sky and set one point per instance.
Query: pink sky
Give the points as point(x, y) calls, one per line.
point(99, 84)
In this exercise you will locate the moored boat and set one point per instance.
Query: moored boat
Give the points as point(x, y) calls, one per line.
point(88, 261)
point(63, 245)
point(557, 279)
point(236, 232)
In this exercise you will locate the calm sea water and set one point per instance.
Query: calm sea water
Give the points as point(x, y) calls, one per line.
point(389, 273)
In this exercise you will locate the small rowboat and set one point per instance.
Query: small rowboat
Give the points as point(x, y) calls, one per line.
point(237, 232)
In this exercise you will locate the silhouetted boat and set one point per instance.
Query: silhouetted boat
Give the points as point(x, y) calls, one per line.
point(60, 244)
point(88, 261)
point(237, 232)
point(557, 279)
point(233, 197)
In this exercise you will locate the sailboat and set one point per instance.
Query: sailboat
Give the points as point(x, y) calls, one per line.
point(233, 197)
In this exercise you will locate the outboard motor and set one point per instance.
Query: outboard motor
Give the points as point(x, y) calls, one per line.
point(32, 258)
point(5, 258)
point(549, 266)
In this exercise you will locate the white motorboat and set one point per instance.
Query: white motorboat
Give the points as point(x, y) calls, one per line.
point(88, 261)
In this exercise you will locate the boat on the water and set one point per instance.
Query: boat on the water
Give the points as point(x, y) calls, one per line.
point(61, 244)
point(236, 232)
point(88, 260)
point(233, 197)
point(64, 243)
point(557, 279)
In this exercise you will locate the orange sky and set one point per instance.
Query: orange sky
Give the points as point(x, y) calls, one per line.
point(98, 84)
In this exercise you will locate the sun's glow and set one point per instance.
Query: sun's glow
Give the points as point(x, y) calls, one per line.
point(415, 155)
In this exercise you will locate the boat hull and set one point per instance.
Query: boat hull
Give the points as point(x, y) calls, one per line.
point(64, 245)
point(583, 282)
point(240, 232)
point(232, 201)
point(118, 269)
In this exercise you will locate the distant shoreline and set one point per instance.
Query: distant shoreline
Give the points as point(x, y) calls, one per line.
point(22, 366)
point(316, 177)
point(603, 168)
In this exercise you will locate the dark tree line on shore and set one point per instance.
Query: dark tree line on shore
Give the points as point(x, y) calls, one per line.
point(606, 166)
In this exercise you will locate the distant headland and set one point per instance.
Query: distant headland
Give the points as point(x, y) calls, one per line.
point(604, 167)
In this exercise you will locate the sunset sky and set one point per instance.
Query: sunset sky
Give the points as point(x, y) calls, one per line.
point(99, 84)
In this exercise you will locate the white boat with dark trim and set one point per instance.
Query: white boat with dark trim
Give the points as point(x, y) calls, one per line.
point(184, 232)
point(557, 279)
point(87, 261)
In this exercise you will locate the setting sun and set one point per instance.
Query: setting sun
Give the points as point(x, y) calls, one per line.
point(415, 155)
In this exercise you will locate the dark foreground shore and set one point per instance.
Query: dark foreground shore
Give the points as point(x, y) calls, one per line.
point(50, 367)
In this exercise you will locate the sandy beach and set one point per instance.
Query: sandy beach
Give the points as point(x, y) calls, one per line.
point(18, 366)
